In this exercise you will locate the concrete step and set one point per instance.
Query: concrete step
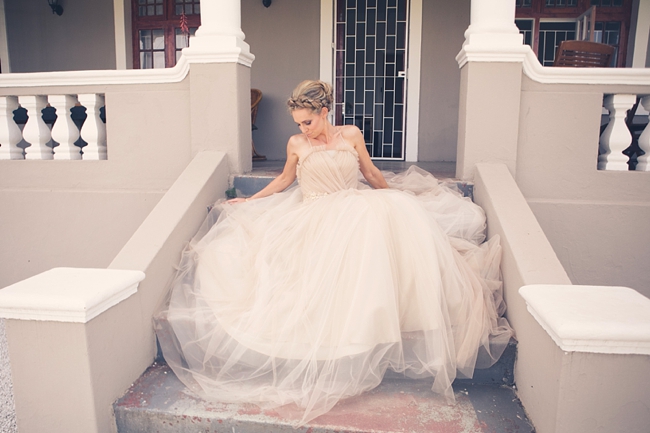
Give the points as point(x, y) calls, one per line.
point(159, 402)
point(501, 373)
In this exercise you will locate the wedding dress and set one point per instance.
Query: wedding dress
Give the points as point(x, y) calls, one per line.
point(308, 296)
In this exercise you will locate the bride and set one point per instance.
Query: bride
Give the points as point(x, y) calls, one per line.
point(306, 297)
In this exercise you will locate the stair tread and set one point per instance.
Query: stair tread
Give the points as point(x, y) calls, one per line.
point(159, 402)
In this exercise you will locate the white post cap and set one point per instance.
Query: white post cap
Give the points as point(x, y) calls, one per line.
point(68, 294)
point(597, 319)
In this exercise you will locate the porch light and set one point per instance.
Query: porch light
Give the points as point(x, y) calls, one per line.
point(266, 3)
point(56, 7)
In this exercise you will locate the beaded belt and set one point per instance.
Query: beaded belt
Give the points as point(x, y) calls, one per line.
point(311, 196)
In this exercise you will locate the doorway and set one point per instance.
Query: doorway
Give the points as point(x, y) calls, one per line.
point(370, 72)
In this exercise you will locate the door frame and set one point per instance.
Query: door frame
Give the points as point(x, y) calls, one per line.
point(4, 47)
point(412, 104)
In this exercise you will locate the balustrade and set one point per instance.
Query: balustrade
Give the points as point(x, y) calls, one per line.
point(643, 163)
point(71, 136)
point(620, 146)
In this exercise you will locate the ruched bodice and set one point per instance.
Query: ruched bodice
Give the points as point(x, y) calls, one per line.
point(322, 171)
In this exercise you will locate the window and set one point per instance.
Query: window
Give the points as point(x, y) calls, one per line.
point(561, 3)
point(545, 23)
point(157, 35)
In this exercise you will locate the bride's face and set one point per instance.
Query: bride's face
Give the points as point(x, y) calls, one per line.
point(310, 123)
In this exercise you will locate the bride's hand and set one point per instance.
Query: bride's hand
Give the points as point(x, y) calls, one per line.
point(237, 200)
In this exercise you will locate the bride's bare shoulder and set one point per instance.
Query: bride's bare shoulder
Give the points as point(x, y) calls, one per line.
point(297, 140)
point(297, 144)
point(349, 131)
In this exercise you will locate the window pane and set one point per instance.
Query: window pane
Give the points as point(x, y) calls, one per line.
point(146, 61)
point(181, 39)
point(158, 39)
point(145, 39)
point(158, 59)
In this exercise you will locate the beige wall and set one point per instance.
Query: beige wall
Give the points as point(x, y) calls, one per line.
point(528, 258)
point(285, 39)
point(42, 229)
point(82, 38)
point(443, 27)
point(594, 219)
point(93, 363)
point(80, 213)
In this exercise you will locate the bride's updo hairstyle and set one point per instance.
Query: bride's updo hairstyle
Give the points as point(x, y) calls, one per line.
point(312, 95)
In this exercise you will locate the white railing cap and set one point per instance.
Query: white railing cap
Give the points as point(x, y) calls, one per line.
point(597, 319)
point(68, 294)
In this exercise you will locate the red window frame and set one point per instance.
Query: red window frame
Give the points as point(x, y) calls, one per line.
point(169, 21)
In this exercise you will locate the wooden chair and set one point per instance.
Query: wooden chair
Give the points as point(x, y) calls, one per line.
point(256, 97)
point(583, 54)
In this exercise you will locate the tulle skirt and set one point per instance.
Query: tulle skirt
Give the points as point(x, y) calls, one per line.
point(282, 301)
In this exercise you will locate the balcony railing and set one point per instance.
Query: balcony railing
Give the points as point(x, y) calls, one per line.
point(53, 127)
point(625, 144)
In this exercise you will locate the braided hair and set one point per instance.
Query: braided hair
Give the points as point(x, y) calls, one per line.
point(312, 95)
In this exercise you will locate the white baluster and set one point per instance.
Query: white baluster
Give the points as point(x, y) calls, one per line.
point(36, 132)
point(93, 130)
point(64, 131)
point(10, 134)
point(616, 137)
point(644, 140)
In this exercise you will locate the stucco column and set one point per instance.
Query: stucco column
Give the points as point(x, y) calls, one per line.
point(219, 38)
point(639, 40)
point(491, 66)
point(492, 24)
point(220, 62)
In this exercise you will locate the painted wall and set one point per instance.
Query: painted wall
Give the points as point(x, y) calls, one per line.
point(443, 27)
point(82, 38)
point(595, 220)
point(43, 229)
point(285, 39)
point(528, 258)
point(81, 213)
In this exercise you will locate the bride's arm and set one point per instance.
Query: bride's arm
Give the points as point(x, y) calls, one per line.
point(368, 169)
point(283, 180)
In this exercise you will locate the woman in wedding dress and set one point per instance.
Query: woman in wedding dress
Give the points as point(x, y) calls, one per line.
point(308, 296)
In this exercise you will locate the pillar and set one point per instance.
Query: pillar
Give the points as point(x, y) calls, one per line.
point(491, 67)
point(220, 62)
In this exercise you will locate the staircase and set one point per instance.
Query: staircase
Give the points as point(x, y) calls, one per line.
point(159, 402)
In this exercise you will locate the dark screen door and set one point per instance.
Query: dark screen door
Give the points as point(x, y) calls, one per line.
point(370, 77)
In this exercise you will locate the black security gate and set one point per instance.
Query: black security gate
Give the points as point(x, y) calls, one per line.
point(371, 61)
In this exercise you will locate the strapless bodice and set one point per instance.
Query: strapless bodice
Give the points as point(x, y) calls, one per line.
point(322, 171)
